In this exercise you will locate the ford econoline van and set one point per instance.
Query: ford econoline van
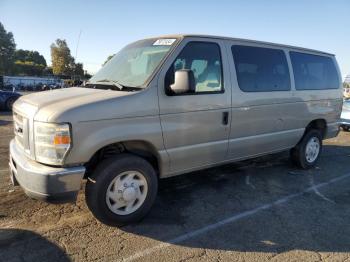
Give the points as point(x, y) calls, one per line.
point(170, 105)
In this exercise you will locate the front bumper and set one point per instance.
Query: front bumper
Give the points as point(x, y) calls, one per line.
point(52, 184)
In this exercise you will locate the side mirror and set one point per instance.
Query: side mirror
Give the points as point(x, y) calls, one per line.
point(184, 82)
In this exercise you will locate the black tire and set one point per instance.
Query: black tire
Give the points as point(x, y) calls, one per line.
point(9, 103)
point(346, 128)
point(106, 171)
point(298, 153)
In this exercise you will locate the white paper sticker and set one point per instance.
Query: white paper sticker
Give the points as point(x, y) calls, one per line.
point(164, 41)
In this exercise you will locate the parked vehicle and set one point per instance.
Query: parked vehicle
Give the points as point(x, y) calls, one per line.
point(7, 99)
point(345, 116)
point(171, 105)
point(346, 93)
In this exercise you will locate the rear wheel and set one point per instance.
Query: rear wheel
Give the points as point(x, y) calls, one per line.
point(121, 190)
point(306, 153)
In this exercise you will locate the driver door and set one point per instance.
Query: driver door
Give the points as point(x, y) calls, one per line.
point(196, 124)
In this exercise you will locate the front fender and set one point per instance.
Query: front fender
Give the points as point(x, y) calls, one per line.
point(89, 137)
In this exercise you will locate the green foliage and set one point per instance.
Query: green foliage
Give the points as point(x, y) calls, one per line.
point(346, 85)
point(78, 70)
point(26, 62)
point(108, 58)
point(18, 62)
point(48, 71)
point(28, 68)
point(7, 50)
point(29, 63)
point(62, 60)
point(32, 56)
point(87, 75)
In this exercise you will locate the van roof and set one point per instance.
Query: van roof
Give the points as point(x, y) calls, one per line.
point(244, 40)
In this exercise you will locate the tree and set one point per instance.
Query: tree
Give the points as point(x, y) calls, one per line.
point(48, 71)
point(7, 50)
point(62, 60)
point(87, 75)
point(30, 56)
point(78, 70)
point(29, 63)
point(28, 68)
point(108, 58)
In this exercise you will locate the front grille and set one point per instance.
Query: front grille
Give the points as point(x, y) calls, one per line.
point(20, 124)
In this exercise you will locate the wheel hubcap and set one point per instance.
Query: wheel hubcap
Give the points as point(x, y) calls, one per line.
point(129, 194)
point(312, 149)
point(126, 192)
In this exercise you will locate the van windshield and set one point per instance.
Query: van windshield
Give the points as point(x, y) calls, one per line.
point(134, 64)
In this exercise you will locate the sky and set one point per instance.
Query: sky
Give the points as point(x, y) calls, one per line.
point(106, 26)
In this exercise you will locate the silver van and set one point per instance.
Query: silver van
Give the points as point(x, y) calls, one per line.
point(167, 106)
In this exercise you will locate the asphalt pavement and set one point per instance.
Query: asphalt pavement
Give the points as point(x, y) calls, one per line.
point(259, 210)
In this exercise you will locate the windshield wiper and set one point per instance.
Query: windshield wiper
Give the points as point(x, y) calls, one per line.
point(116, 84)
point(113, 82)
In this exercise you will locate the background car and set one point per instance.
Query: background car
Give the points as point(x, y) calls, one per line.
point(7, 99)
point(345, 116)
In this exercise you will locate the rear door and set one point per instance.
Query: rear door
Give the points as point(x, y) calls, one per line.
point(196, 125)
point(262, 101)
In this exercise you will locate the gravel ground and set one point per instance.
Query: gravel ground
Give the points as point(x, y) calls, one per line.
point(258, 210)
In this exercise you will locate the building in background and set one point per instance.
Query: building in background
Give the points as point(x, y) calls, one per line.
point(29, 83)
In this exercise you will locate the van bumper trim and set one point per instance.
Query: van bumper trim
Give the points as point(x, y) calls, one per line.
point(52, 184)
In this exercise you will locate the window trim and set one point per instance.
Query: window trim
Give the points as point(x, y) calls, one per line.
point(203, 92)
point(310, 89)
point(263, 47)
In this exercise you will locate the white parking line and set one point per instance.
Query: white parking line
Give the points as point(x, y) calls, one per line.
point(247, 182)
point(4, 170)
point(228, 220)
point(317, 192)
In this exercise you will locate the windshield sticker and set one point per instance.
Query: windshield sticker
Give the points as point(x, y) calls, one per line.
point(164, 41)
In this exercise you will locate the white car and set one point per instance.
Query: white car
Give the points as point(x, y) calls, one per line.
point(345, 116)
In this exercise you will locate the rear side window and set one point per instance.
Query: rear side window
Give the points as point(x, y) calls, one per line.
point(313, 72)
point(261, 69)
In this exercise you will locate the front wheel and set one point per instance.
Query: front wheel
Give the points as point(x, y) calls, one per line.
point(121, 190)
point(306, 153)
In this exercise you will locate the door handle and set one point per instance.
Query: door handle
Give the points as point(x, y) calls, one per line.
point(225, 118)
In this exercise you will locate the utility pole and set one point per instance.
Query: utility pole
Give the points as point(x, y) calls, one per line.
point(76, 52)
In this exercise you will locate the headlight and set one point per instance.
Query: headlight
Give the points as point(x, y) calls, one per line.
point(52, 142)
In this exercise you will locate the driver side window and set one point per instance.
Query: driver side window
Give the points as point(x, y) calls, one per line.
point(204, 60)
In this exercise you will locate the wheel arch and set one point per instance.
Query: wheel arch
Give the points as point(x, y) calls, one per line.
point(318, 124)
point(140, 148)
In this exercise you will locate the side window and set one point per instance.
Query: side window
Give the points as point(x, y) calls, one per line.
point(261, 69)
point(313, 72)
point(204, 60)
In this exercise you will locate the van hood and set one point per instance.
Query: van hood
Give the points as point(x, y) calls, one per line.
point(56, 105)
point(41, 99)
